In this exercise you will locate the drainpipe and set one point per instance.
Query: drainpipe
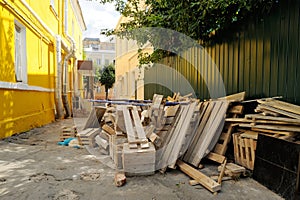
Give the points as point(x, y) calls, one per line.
point(65, 78)
point(58, 81)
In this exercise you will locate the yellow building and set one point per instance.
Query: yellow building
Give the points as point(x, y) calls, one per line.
point(129, 75)
point(40, 43)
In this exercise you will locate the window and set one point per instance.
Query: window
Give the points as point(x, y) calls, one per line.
point(98, 61)
point(106, 62)
point(20, 53)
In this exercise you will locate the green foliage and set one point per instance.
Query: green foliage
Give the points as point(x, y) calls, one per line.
point(107, 77)
point(198, 19)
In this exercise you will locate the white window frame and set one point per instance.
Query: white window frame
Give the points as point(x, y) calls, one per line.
point(20, 53)
point(53, 8)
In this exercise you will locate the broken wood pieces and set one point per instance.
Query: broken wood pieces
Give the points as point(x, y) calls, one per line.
point(120, 179)
point(198, 176)
point(231, 169)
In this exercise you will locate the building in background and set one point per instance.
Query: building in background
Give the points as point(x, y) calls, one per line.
point(129, 74)
point(101, 54)
point(40, 43)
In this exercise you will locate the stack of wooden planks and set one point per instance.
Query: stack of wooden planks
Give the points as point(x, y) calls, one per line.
point(275, 118)
point(178, 132)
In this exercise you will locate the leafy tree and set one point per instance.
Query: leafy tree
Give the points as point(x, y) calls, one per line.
point(107, 78)
point(198, 19)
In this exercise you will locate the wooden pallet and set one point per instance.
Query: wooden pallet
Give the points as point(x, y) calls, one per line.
point(134, 129)
point(244, 150)
point(87, 136)
point(68, 132)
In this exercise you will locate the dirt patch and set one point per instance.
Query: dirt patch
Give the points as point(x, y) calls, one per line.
point(41, 177)
point(90, 176)
point(67, 195)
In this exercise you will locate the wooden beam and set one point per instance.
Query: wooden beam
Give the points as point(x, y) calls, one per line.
point(204, 180)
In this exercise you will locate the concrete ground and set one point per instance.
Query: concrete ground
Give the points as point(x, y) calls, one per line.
point(33, 166)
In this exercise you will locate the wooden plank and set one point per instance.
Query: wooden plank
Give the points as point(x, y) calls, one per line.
point(168, 139)
point(204, 180)
point(234, 97)
point(232, 167)
point(138, 125)
point(258, 121)
point(210, 133)
point(177, 149)
point(274, 127)
point(108, 129)
point(250, 135)
point(216, 157)
point(279, 111)
point(173, 148)
point(222, 172)
point(282, 119)
point(272, 131)
point(129, 127)
point(94, 118)
point(238, 109)
point(157, 99)
point(120, 123)
point(204, 116)
point(282, 105)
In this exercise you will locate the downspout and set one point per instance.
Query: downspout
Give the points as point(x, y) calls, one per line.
point(65, 78)
point(58, 81)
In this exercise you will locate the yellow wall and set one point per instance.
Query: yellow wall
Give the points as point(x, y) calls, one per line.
point(27, 105)
point(21, 111)
point(7, 72)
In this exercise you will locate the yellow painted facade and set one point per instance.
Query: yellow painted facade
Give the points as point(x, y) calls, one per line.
point(29, 60)
point(129, 75)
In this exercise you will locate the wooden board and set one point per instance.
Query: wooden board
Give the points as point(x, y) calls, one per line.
point(204, 116)
point(210, 133)
point(272, 131)
point(108, 129)
point(129, 127)
point(94, 118)
point(139, 128)
point(238, 109)
point(216, 157)
point(234, 97)
point(282, 119)
point(282, 105)
point(279, 111)
point(204, 180)
point(273, 127)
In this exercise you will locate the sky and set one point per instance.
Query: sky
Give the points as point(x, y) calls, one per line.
point(98, 16)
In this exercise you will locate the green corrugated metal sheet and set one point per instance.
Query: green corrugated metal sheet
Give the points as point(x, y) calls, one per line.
point(264, 60)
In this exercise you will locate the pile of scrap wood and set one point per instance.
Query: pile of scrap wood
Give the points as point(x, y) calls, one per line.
point(273, 118)
point(177, 131)
point(276, 118)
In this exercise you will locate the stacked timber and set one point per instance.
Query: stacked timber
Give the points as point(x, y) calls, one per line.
point(276, 118)
point(177, 131)
point(273, 118)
